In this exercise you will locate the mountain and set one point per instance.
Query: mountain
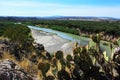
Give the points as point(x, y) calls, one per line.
point(14, 18)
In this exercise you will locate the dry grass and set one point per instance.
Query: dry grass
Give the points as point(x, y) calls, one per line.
point(32, 68)
point(1, 38)
point(39, 74)
point(7, 55)
point(26, 64)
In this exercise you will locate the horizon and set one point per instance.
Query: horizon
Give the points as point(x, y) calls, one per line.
point(48, 8)
point(60, 16)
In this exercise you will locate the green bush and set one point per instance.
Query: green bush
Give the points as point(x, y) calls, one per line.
point(69, 58)
point(59, 55)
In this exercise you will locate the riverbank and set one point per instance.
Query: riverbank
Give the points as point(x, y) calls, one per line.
point(79, 32)
point(52, 42)
point(82, 41)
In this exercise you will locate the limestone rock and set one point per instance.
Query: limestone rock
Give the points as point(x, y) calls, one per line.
point(10, 71)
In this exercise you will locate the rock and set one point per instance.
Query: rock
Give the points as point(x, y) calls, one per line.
point(39, 47)
point(11, 71)
point(117, 51)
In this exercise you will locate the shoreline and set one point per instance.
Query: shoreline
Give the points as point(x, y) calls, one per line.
point(52, 42)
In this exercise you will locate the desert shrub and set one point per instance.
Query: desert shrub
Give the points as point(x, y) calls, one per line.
point(50, 78)
point(59, 54)
point(44, 67)
point(63, 75)
point(69, 58)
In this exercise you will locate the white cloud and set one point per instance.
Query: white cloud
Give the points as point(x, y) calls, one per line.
point(27, 4)
point(29, 8)
point(90, 11)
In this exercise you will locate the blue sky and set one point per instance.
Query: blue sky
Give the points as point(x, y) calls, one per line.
point(99, 8)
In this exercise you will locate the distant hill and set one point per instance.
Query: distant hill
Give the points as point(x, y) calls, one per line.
point(12, 18)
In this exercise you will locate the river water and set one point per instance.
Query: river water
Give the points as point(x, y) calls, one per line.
point(81, 40)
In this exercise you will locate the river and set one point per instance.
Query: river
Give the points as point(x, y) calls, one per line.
point(74, 38)
point(81, 40)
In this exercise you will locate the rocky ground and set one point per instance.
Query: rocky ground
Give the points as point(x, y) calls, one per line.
point(11, 71)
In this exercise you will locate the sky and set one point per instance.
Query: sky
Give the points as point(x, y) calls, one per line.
point(42, 8)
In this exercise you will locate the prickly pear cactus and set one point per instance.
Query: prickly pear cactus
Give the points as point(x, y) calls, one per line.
point(69, 58)
point(96, 38)
point(44, 67)
point(59, 54)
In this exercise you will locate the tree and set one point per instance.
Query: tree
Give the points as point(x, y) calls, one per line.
point(20, 38)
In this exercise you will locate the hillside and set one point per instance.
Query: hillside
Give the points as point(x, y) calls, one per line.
point(86, 62)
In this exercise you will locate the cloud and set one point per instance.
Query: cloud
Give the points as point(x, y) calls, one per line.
point(30, 8)
point(90, 11)
point(27, 4)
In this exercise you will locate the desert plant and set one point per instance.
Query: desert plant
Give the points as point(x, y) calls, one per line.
point(76, 51)
point(63, 75)
point(69, 58)
point(50, 78)
point(44, 67)
point(59, 55)
point(96, 38)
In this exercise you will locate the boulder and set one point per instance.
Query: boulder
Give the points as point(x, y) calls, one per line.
point(11, 71)
point(39, 46)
